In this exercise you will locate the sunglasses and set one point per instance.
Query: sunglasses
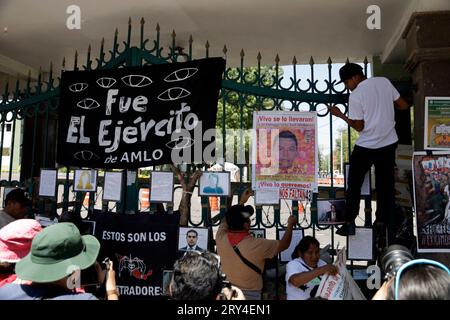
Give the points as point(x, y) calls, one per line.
point(412, 263)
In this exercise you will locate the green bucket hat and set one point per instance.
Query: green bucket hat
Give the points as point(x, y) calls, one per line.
point(55, 252)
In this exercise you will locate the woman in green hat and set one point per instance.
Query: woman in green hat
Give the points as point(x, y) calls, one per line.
point(58, 254)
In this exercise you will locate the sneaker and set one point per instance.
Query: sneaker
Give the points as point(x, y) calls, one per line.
point(348, 229)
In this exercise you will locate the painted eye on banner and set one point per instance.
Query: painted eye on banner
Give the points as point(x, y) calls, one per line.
point(88, 104)
point(86, 155)
point(180, 143)
point(173, 94)
point(106, 82)
point(78, 87)
point(136, 80)
point(181, 74)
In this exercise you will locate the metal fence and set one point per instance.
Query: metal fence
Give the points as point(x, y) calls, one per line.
point(28, 124)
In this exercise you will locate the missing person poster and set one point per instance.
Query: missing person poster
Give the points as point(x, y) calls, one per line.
point(284, 153)
point(139, 116)
point(141, 248)
point(437, 123)
point(431, 173)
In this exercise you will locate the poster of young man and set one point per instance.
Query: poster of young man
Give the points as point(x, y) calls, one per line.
point(141, 248)
point(284, 153)
point(190, 239)
point(431, 173)
point(437, 123)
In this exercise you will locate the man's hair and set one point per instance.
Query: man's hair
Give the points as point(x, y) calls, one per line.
point(192, 231)
point(288, 135)
point(196, 276)
point(18, 195)
point(304, 245)
point(423, 282)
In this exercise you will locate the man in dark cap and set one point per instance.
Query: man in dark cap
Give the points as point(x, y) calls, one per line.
point(16, 207)
point(371, 113)
point(243, 256)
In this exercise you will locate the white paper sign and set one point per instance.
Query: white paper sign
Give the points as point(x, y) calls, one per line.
point(112, 188)
point(47, 183)
point(297, 235)
point(360, 246)
point(161, 189)
point(267, 197)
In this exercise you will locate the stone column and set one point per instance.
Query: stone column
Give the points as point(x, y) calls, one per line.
point(427, 38)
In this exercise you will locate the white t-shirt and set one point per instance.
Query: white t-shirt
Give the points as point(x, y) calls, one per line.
point(304, 292)
point(372, 101)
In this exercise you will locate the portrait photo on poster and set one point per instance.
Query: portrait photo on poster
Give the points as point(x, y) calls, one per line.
point(330, 211)
point(297, 235)
point(47, 183)
point(214, 184)
point(161, 187)
point(193, 239)
point(366, 188)
point(258, 233)
point(85, 180)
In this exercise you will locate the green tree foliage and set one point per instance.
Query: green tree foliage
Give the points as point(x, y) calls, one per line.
point(232, 105)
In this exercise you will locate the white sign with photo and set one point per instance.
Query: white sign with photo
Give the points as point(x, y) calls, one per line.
point(85, 180)
point(161, 189)
point(193, 239)
point(331, 211)
point(297, 235)
point(214, 184)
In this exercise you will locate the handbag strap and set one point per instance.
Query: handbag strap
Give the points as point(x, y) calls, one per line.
point(248, 263)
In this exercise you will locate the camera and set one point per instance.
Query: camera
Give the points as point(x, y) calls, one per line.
point(393, 258)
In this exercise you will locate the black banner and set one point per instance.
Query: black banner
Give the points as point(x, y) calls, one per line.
point(141, 246)
point(138, 116)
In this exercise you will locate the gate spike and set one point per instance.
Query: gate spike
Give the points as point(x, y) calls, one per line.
point(365, 60)
point(225, 50)
point(142, 21)
point(311, 61)
point(277, 59)
point(64, 63)
point(51, 68)
point(347, 61)
point(207, 44)
point(89, 50)
point(242, 53)
point(173, 34)
point(259, 57)
point(116, 33)
point(157, 27)
point(191, 40)
point(294, 61)
point(329, 60)
point(129, 21)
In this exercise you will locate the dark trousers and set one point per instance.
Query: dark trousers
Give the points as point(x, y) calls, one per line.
point(361, 160)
